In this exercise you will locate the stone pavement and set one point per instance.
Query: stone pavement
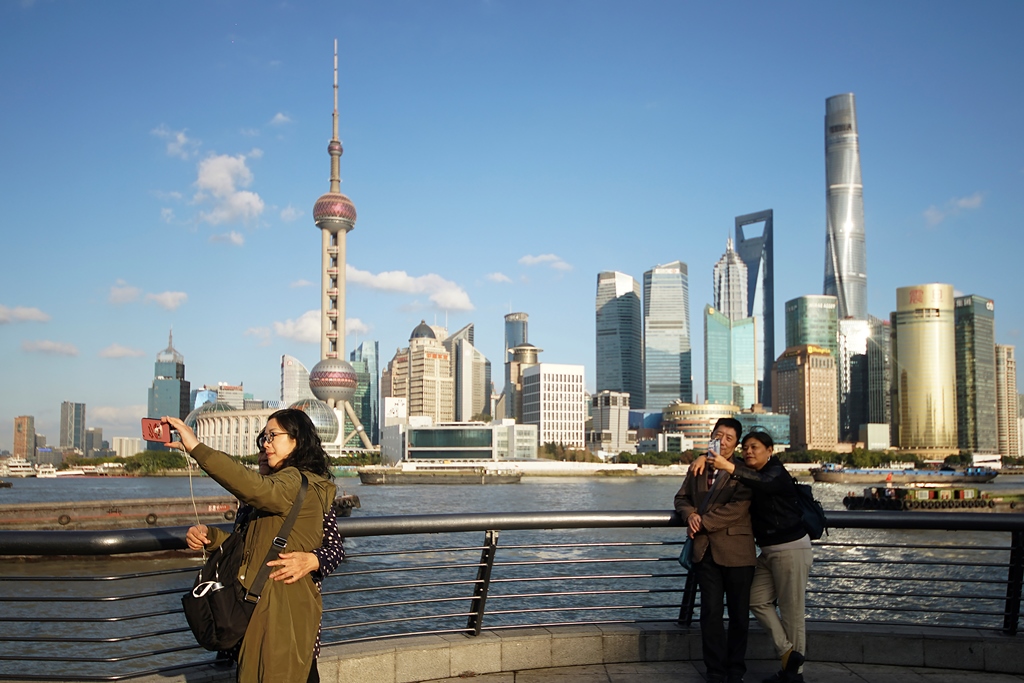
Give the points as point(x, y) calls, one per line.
point(691, 672)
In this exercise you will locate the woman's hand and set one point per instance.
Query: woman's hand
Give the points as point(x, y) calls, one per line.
point(720, 463)
point(698, 464)
point(185, 433)
point(196, 537)
point(293, 566)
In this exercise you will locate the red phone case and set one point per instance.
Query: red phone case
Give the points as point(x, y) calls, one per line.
point(155, 430)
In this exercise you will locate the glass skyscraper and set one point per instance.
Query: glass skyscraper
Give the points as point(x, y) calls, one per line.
point(854, 336)
point(619, 336)
point(169, 394)
point(758, 253)
point(72, 425)
point(975, 321)
point(730, 359)
point(879, 371)
point(668, 369)
point(368, 353)
point(811, 319)
point(924, 363)
point(730, 276)
point(845, 258)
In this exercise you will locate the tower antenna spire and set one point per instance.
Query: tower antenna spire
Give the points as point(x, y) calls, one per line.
point(335, 157)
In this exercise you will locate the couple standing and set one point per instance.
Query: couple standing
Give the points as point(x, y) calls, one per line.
point(728, 503)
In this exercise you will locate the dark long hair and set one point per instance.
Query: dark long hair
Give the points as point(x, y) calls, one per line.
point(309, 453)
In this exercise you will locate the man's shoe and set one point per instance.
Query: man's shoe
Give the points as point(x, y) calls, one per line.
point(778, 677)
point(795, 661)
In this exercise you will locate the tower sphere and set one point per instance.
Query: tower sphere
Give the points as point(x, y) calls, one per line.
point(333, 378)
point(324, 419)
point(334, 212)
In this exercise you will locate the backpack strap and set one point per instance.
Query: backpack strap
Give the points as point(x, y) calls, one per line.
point(280, 543)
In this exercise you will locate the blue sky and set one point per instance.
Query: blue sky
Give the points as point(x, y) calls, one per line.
point(160, 162)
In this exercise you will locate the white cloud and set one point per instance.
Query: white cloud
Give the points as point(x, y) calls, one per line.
point(118, 420)
point(301, 283)
point(551, 260)
point(21, 314)
point(233, 237)
point(250, 132)
point(178, 143)
point(256, 153)
point(168, 300)
point(49, 347)
point(117, 351)
point(305, 329)
point(935, 215)
point(498, 277)
point(356, 326)
point(290, 214)
point(166, 215)
point(219, 181)
point(280, 119)
point(261, 333)
point(123, 293)
point(444, 294)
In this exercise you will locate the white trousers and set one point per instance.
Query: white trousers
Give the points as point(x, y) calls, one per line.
point(782, 576)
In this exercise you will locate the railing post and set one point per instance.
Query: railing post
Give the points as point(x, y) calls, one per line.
point(689, 598)
point(1014, 583)
point(483, 583)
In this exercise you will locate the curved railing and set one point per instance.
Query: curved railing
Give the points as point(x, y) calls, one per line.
point(115, 613)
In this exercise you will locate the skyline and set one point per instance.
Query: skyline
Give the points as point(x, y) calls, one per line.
point(160, 179)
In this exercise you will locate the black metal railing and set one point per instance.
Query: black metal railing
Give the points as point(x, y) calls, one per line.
point(105, 605)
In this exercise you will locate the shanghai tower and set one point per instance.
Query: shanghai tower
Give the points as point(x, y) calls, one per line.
point(845, 258)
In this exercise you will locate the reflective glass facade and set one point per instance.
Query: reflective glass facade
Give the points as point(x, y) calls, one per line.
point(369, 354)
point(812, 319)
point(730, 360)
point(668, 370)
point(924, 362)
point(758, 253)
point(845, 258)
point(975, 321)
point(619, 336)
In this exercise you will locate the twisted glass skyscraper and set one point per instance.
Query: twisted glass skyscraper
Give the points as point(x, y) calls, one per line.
point(668, 368)
point(845, 259)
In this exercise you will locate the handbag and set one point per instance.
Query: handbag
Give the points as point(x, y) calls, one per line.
point(686, 552)
point(218, 607)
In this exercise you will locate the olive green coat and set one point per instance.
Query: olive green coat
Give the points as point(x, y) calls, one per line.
point(278, 645)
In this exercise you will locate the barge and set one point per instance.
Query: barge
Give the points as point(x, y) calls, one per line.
point(930, 498)
point(831, 473)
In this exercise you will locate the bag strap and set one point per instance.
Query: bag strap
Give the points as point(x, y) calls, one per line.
point(280, 543)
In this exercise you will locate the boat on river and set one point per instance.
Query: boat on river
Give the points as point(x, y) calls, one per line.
point(46, 471)
point(934, 498)
point(832, 473)
point(17, 468)
point(429, 473)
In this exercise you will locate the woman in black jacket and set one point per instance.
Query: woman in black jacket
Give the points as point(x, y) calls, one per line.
point(785, 559)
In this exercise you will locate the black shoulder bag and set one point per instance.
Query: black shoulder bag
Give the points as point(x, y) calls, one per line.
point(218, 608)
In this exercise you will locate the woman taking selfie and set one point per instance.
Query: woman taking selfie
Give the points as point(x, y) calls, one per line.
point(278, 643)
point(785, 559)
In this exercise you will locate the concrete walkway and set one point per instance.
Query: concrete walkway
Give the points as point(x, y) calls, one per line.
point(690, 672)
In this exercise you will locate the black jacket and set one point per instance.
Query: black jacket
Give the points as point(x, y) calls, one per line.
point(774, 512)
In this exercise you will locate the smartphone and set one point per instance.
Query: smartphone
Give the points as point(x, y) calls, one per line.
point(154, 429)
point(715, 446)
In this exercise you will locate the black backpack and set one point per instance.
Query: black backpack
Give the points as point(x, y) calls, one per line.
point(810, 509)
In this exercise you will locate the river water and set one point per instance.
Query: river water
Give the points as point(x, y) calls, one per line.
point(859, 575)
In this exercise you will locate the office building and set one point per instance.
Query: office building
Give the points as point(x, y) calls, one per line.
point(1020, 424)
point(853, 377)
point(668, 360)
point(421, 374)
point(553, 400)
point(776, 424)
point(199, 397)
point(845, 257)
point(93, 441)
point(1007, 409)
point(127, 446)
point(169, 394)
point(730, 284)
point(231, 394)
point(880, 373)
point(811, 319)
point(610, 433)
point(730, 359)
point(975, 323)
point(620, 349)
point(522, 357)
point(516, 334)
point(25, 437)
point(758, 254)
point(422, 440)
point(516, 331)
point(294, 381)
point(72, 426)
point(368, 353)
point(804, 381)
point(695, 420)
point(471, 375)
point(924, 360)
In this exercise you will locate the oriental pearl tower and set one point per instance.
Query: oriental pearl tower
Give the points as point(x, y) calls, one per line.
point(333, 379)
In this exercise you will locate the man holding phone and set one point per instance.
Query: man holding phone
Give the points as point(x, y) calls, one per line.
point(716, 510)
